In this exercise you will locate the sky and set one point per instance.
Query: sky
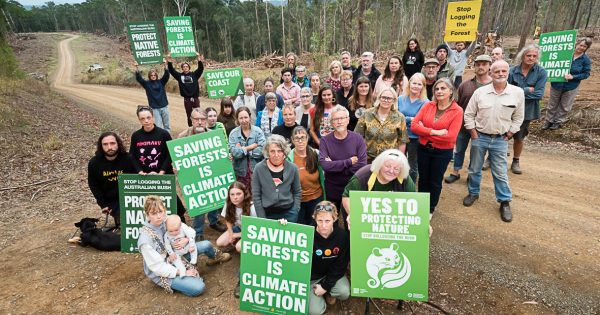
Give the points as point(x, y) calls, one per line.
point(42, 2)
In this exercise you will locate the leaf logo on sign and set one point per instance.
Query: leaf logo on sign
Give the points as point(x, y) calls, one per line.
point(386, 268)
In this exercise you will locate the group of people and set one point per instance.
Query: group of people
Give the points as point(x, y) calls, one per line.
point(301, 147)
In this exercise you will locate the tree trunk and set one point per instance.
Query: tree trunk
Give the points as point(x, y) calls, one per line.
point(283, 50)
point(547, 18)
point(485, 21)
point(260, 42)
point(361, 26)
point(143, 10)
point(207, 38)
point(268, 27)
point(587, 21)
point(574, 19)
point(531, 6)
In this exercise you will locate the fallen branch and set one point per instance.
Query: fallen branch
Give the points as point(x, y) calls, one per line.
point(27, 185)
point(588, 129)
point(40, 189)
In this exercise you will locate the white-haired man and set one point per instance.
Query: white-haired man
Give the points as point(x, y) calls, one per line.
point(494, 114)
point(366, 69)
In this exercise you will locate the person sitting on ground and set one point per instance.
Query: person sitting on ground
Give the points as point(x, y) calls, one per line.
point(238, 203)
point(156, 264)
point(110, 160)
point(327, 279)
point(276, 189)
point(156, 94)
point(177, 230)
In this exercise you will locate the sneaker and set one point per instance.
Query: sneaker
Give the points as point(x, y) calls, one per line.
point(515, 168)
point(486, 165)
point(452, 178)
point(220, 257)
point(547, 125)
point(219, 227)
point(555, 126)
point(236, 291)
point(470, 200)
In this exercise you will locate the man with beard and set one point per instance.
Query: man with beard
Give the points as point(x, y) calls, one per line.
point(446, 70)
point(188, 84)
point(366, 69)
point(110, 160)
point(465, 91)
point(494, 114)
point(430, 71)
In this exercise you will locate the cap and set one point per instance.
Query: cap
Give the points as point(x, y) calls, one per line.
point(483, 58)
point(431, 60)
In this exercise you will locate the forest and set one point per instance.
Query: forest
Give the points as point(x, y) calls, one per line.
point(229, 30)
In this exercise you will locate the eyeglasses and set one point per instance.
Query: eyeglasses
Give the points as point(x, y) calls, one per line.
point(300, 138)
point(201, 118)
point(339, 119)
point(386, 98)
point(328, 208)
point(305, 96)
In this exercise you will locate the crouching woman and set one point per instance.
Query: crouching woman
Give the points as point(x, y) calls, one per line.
point(331, 254)
point(156, 264)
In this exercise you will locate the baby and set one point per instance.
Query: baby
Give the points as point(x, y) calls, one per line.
point(175, 231)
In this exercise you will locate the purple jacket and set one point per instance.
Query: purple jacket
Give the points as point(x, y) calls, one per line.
point(339, 170)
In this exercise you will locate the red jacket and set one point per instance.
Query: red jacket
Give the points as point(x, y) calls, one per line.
point(450, 120)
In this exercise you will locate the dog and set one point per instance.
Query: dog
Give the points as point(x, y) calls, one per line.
point(95, 237)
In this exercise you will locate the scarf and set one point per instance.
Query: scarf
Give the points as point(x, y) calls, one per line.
point(264, 121)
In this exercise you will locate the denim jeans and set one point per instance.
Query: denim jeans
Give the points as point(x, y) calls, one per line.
point(432, 166)
point(306, 211)
point(497, 148)
point(161, 118)
point(462, 142)
point(411, 152)
point(213, 218)
point(193, 286)
point(190, 286)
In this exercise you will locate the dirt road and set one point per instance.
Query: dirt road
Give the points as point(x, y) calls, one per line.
point(119, 101)
point(545, 262)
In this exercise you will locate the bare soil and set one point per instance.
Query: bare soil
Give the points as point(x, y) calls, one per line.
point(545, 262)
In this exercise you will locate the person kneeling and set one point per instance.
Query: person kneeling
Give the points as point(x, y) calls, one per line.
point(331, 254)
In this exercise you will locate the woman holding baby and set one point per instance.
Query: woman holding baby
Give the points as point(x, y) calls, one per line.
point(157, 263)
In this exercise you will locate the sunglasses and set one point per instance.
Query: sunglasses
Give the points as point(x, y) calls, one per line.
point(328, 208)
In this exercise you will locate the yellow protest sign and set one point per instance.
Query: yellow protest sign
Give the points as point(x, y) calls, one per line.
point(462, 20)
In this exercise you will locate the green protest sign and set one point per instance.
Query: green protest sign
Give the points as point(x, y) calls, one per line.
point(391, 229)
point(204, 170)
point(224, 82)
point(145, 43)
point(557, 53)
point(275, 266)
point(180, 36)
point(133, 190)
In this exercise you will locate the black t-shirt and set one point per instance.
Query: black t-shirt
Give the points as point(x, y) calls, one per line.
point(285, 132)
point(103, 175)
point(149, 150)
point(429, 91)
